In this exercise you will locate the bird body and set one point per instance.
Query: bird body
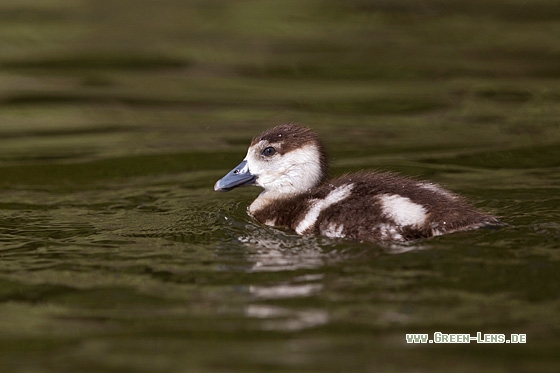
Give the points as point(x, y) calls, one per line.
point(290, 163)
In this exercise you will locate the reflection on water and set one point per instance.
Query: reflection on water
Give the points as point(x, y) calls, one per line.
point(285, 319)
point(285, 291)
point(271, 250)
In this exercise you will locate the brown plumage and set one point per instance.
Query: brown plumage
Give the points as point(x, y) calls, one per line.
point(289, 162)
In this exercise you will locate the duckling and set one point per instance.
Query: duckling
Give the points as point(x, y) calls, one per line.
point(289, 162)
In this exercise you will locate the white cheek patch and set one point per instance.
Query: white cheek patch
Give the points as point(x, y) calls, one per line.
point(319, 205)
point(302, 167)
point(402, 210)
point(294, 172)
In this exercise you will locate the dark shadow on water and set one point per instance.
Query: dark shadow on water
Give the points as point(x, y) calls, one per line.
point(124, 61)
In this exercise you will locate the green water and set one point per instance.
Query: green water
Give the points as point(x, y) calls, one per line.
point(116, 119)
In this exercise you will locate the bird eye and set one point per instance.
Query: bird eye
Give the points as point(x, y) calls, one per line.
point(269, 152)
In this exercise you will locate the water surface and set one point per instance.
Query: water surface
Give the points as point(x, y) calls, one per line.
point(117, 119)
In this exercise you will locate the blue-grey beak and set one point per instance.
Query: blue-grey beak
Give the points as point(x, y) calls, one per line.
point(239, 176)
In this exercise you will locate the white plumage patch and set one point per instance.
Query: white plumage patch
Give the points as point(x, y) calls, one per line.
point(319, 205)
point(389, 232)
point(333, 230)
point(270, 222)
point(402, 210)
point(436, 189)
